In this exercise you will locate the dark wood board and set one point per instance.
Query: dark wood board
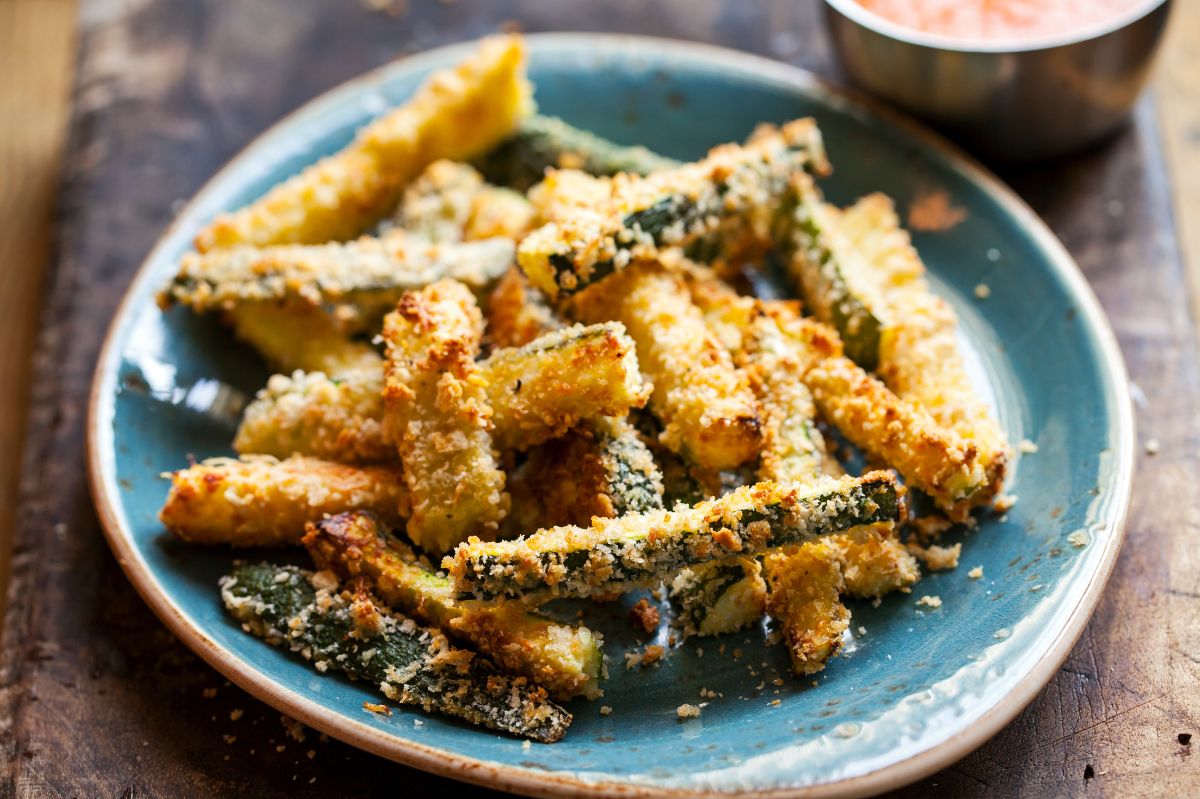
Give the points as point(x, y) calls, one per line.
point(98, 699)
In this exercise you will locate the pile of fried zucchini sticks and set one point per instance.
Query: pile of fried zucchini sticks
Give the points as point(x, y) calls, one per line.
point(517, 362)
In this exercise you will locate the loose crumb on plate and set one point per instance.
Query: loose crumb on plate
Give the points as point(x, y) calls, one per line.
point(983, 291)
point(373, 708)
point(930, 601)
point(686, 711)
point(605, 710)
point(936, 558)
point(235, 714)
point(1028, 447)
point(1004, 503)
point(976, 573)
point(644, 616)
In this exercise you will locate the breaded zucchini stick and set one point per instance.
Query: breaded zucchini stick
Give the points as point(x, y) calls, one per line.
point(450, 202)
point(542, 142)
point(456, 114)
point(369, 272)
point(931, 458)
point(806, 587)
point(517, 313)
point(730, 200)
point(436, 412)
point(536, 392)
point(705, 403)
point(873, 566)
point(346, 630)
point(548, 385)
point(564, 659)
point(719, 597)
point(308, 413)
point(290, 338)
point(261, 501)
point(919, 357)
point(641, 548)
point(828, 274)
point(599, 469)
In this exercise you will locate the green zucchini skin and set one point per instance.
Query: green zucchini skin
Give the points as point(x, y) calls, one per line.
point(820, 279)
point(632, 480)
point(723, 205)
point(544, 142)
point(719, 597)
point(412, 665)
point(640, 549)
point(565, 659)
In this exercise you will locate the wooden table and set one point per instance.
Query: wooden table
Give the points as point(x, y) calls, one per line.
point(97, 699)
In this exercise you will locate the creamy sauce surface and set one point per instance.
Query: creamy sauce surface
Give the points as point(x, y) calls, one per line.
point(1005, 20)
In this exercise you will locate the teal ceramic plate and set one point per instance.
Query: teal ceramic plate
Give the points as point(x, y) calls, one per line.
point(918, 687)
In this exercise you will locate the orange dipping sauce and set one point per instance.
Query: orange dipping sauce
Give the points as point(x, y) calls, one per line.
point(999, 19)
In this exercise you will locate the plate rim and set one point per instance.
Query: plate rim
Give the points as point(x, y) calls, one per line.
point(532, 782)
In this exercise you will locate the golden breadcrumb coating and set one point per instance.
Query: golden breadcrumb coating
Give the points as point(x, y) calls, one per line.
point(309, 413)
point(730, 198)
point(456, 113)
point(536, 392)
point(805, 588)
point(261, 501)
point(547, 386)
point(290, 338)
point(450, 201)
point(370, 271)
point(777, 347)
point(637, 549)
point(564, 659)
point(599, 469)
point(931, 458)
point(919, 357)
point(438, 416)
point(705, 403)
point(874, 565)
point(517, 313)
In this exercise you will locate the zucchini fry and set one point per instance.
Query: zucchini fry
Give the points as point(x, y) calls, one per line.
point(542, 142)
point(599, 469)
point(706, 405)
point(261, 501)
point(517, 313)
point(369, 272)
point(829, 274)
point(536, 392)
point(338, 419)
point(547, 386)
point(639, 549)
point(456, 114)
point(346, 630)
point(564, 659)
point(436, 411)
point(806, 587)
point(729, 200)
point(719, 597)
point(291, 338)
point(450, 202)
point(919, 357)
point(936, 460)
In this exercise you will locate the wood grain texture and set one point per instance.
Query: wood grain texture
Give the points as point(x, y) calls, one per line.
point(97, 699)
point(1178, 87)
point(36, 40)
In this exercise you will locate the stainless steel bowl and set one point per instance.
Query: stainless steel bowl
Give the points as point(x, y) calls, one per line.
point(1006, 101)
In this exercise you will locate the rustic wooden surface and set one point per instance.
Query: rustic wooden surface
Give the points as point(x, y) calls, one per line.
point(35, 51)
point(97, 699)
